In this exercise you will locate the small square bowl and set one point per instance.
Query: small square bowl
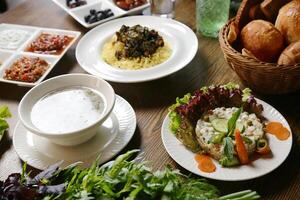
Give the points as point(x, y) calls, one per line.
point(28, 33)
point(50, 60)
point(71, 34)
point(80, 13)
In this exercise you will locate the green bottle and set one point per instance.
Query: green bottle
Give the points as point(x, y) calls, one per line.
point(211, 15)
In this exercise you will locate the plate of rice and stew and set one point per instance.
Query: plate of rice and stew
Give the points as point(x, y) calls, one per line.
point(137, 49)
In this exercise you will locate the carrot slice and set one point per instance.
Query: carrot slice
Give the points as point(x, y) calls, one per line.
point(273, 127)
point(278, 130)
point(283, 134)
point(240, 148)
point(205, 163)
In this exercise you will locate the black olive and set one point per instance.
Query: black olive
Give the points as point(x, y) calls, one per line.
point(93, 11)
point(87, 18)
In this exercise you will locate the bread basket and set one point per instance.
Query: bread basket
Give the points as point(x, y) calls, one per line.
point(265, 78)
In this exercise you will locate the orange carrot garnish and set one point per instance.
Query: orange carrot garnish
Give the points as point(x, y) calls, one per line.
point(278, 130)
point(241, 148)
point(205, 163)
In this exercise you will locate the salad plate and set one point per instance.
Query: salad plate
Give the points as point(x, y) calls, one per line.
point(181, 39)
point(258, 167)
point(116, 132)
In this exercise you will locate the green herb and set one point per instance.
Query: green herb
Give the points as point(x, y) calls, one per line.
point(232, 122)
point(228, 159)
point(4, 113)
point(122, 179)
point(247, 140)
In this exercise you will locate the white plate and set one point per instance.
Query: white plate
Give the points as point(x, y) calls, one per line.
point(259, 167)
point(116, 131)
point(181, 38)
point(78, 13)
point(7, 57)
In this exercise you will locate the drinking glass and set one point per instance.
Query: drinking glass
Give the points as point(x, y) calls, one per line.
point(162, 8)
point(211, 15)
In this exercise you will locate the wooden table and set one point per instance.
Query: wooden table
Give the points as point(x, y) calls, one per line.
point(151, 99)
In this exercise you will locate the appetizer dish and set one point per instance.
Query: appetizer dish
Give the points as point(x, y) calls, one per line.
point(83, 10)
point(129, 4)
point(119, 179)
point(50, 44)
point(224, 123)
point(136, 47)
point(26, 69)
point(75, 3)
point(24, 52)
point(96, 16)
point(12, 39)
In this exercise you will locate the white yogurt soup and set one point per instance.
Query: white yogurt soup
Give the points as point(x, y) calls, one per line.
point(12, 38)
point(68, 109)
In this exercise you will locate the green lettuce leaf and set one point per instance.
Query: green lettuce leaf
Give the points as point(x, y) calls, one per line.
point(4, 112)
point(175, 119)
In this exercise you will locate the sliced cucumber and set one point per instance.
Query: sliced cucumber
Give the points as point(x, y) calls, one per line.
point(220, 125)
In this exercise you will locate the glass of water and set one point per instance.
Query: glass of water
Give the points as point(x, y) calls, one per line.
point(163, 8)
point(211, 15)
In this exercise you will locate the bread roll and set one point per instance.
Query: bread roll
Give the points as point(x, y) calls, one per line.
point(288, 21)
point(290, 55)
point(270, 8)
point(232, 33)
point(242, 16)
point(263, 40)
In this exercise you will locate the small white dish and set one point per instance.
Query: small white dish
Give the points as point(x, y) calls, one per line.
point(59, 83)
point(182, 39)
point(33, 33)
point(259, 167)
point(115, 134)
point(78, 13)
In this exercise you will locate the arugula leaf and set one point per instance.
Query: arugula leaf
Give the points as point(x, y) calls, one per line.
point(4, 112)
point(232, 121)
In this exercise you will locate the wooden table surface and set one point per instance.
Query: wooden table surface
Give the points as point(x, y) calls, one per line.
point(150, 100)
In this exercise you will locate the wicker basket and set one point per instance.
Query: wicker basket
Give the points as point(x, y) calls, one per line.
point(265, 78)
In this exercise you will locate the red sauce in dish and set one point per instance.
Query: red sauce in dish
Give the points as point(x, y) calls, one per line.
point(49, 44)
point(26, 69)
point(129, 4)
